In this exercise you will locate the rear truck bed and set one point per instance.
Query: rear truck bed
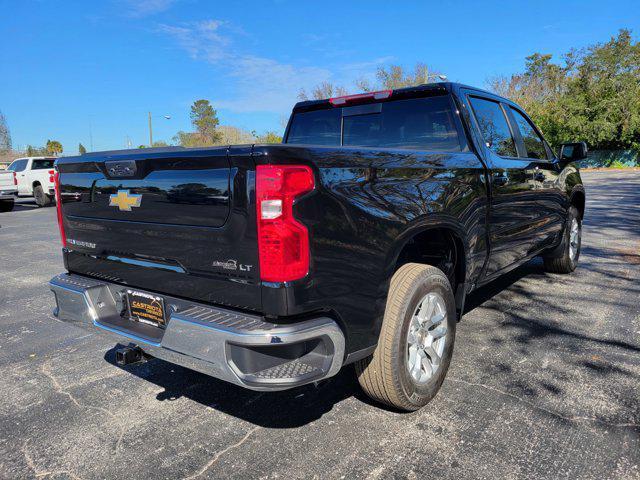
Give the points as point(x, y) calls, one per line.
point(162, 252)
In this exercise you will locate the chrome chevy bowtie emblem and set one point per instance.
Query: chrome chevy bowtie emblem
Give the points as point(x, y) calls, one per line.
point(124, 200)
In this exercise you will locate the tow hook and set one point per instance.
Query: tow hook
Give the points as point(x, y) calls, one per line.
point(129, 355)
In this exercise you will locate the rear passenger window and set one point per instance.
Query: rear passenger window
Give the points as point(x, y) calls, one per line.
point(532, 141)
point(494, 127)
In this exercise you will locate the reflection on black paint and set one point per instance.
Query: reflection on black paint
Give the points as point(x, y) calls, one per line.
point(197, 194)
point(178, 195)
point(367, 199)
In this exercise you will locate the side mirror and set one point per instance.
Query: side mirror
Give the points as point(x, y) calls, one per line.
point(573, 152)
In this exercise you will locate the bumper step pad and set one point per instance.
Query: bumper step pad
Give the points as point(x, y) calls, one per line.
point(293, 369)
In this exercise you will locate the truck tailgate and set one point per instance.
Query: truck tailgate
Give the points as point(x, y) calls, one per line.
point(175, 221)
point(6, 181)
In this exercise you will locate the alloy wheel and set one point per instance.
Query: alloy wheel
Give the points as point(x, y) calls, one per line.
point(426, 338)
point(574, 239)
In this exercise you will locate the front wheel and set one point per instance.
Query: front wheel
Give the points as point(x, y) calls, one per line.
point(565, 258)
point(416, 340)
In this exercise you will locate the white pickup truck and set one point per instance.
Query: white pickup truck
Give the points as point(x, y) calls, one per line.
point(8, 190)
point(35, 178)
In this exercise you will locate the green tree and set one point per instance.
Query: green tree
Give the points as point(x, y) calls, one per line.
point(386, 77)
point(205, 120)
point(593, 95)
point(269, 137)
point(53, 147)
point(36, 151)
point(321, 91)
point(81, 149)
point(397, 76)
point(603, 96)
point(5, 134)
point(160, 143)
point(538, 90)
point(229, 135)
point(187, 139)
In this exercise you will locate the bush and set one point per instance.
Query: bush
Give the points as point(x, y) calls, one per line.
point(618, 164)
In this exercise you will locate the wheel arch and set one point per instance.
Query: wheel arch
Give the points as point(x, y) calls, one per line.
point(424, 240)
point(578, 200)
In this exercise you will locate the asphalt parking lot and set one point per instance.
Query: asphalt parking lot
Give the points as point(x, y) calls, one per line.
point(544, 383)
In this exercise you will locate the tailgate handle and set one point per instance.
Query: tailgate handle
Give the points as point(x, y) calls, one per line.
point(121, 168)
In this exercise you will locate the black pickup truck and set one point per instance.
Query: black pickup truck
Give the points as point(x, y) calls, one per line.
point(354, 241)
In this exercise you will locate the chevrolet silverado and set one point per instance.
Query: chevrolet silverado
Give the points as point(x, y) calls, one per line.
point(35, 178)
point(355, 241)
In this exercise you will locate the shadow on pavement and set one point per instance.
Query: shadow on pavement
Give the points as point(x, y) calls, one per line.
point(19, 207)
point(23, 205)
point(287, 409)
point(532, 327)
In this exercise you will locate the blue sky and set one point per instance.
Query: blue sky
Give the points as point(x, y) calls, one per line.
point(71, 68)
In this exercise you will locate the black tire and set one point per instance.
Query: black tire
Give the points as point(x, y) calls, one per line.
point(42, 199)
point(385, 375)
point(564, 259)
point(6, 205)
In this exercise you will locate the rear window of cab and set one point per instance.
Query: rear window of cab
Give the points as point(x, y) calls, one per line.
point(417, 123)
point(43, 164)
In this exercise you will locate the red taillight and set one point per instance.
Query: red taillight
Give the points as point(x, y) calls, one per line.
point(15, 178)
point(380, 95)
point(56, 182)
point(51, 175)
point(283, 242)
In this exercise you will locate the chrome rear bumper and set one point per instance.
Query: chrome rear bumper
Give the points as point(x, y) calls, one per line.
point(8, 194)
point(233, 346)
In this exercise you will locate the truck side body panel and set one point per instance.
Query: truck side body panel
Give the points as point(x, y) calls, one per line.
point(367, 204)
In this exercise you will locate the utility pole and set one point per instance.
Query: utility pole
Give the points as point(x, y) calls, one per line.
point(168, 117)
point(90, 134)
point(150, 132)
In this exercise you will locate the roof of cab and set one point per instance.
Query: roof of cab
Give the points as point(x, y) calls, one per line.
point(437, 87)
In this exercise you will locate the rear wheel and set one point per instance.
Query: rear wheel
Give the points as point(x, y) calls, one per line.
point(416, 340)
point(6, 205)
point(565, 258)
point(42, 199)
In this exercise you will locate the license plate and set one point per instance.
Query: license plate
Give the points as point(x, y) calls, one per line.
point(146, 308)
